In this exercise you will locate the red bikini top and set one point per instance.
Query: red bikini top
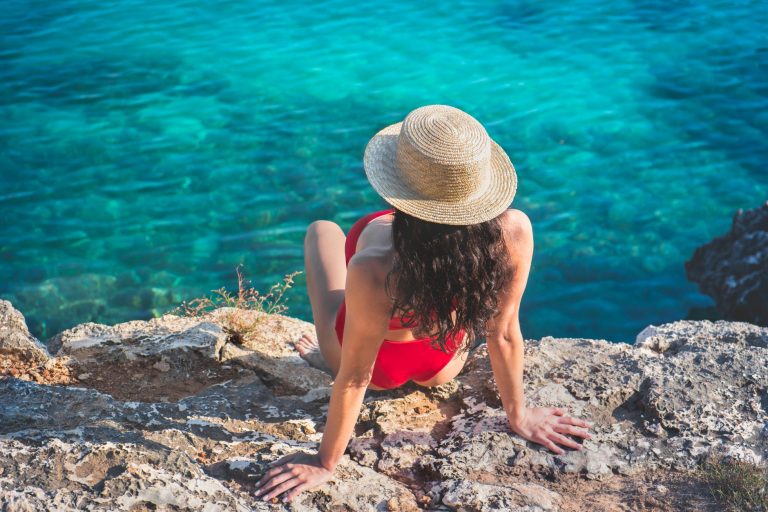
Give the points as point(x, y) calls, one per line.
point(350, 247)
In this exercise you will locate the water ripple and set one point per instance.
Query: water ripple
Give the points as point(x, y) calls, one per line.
point(148, 148)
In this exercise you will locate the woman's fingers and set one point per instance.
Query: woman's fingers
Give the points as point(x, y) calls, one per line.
point(292, 482)
point(552, 446)
point(277, 466)
point(269, 474)
point(272, 480)
point(561, 439)
point(295, 491)
point(567, 429)
point(574, 421)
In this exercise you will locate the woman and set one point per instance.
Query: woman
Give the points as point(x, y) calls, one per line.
point(385, 317)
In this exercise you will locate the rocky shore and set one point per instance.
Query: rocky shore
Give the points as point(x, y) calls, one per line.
point(171, 414)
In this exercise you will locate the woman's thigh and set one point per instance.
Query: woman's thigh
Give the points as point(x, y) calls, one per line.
point(326, 273)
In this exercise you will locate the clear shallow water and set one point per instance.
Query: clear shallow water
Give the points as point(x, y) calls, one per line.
point(147, 148)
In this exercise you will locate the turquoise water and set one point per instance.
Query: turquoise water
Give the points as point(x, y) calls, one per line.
point(147, 148)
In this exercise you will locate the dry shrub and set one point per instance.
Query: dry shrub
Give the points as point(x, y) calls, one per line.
point(240, 322)
point(737, 485)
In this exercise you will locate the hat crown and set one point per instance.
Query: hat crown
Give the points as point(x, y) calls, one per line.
point(443, 153)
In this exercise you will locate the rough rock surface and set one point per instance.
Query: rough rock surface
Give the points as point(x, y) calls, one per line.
point(194, 420)
point(15, 337)
point(733, 268)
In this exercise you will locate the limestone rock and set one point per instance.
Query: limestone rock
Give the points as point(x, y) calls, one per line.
point(733, 268)
point(163, 358)
point(128, 341)
point(464, 495)
point(15, 338)
point(269, 351)
point(708, 392)
point(177, 414)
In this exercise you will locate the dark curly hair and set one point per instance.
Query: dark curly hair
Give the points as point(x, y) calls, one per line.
point(438, 268)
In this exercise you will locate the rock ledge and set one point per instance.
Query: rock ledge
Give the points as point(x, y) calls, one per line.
point(169, 414)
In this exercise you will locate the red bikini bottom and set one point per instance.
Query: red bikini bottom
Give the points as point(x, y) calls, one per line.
point(400, 361)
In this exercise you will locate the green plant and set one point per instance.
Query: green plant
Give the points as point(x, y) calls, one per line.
point(737, 485)
point(240, 322)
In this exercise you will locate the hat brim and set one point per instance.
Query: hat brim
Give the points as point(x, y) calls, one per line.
point(483, 205)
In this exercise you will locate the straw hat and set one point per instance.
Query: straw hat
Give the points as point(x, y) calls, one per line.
point(440, 165)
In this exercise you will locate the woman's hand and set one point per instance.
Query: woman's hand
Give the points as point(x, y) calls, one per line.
point(549, 426)
point(295, 472)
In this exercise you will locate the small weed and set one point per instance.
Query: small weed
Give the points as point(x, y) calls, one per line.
point(239, 323)
point(737, 485)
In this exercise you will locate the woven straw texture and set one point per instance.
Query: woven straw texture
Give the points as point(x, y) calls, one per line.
point(440, 165)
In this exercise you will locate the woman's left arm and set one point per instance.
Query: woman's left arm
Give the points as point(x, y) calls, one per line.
point(506, 355)
point(505, 340)
point(548, 425)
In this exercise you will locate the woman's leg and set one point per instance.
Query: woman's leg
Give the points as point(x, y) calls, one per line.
point(326, 273)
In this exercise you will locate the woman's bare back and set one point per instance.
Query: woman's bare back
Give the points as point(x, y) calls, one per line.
point(376, 240)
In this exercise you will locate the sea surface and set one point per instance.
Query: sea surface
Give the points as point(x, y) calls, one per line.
point(149, 147)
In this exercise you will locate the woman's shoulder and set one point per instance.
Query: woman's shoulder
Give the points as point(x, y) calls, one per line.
point(518, 232)
point(367, 273)
point(516, 222)
point(515, 216)
point(373, 247)
point(373, 260)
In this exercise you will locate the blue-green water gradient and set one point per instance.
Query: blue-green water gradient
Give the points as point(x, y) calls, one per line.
point(148, 147)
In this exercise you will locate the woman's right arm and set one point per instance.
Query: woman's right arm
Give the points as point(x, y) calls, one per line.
point(365, 326)
point(364, 330)
point(343, 411)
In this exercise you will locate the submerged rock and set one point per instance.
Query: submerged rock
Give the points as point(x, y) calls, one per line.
point(733, 268)
point(179, 414)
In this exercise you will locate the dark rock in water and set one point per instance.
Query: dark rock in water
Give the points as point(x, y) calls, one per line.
point(733, 268)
